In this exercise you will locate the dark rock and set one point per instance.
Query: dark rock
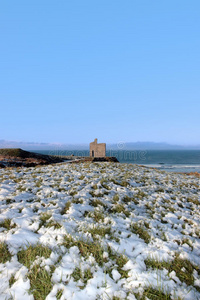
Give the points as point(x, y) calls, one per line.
point(104, 159)
point(18, 157)
point(95, 159)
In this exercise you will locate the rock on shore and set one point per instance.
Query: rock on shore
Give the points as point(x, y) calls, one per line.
point(16, 157)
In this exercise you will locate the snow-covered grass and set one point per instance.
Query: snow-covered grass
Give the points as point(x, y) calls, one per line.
point(99, 231)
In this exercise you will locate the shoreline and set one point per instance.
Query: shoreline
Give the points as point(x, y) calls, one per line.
point(20, 158)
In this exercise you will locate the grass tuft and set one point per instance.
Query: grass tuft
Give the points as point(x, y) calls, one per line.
point(141, 231)
point(59, 294)
point(183, 268)
point(4, 253)
point(120, 260)
point(86, 248)
point(54, 224)
point(154, 294)
point(84, 276)
point(97, 216)
point(40, 281)
point(97, 202)
point(99, 230)
point(7, 224)
point(43, 218)
point(12, 280)
point(28, 256)
point(104, 184)
point(119, 208)
point(66, 208)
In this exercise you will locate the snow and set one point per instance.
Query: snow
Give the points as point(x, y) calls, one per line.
point(165, 205)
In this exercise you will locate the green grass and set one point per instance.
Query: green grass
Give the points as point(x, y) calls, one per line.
point(68, 241)
point(86, 248)
point(193, 200)
point(4, 253)
point(115, 198)
point(124, 183)
point(7, 224)
point(97, 202)
point(94, 194)
point(72, 193)
point(77, 201)
point(59, 294)
point(119, 208)
point(84, 276)
point(54, 224)
point(187, 241)
point(40, 282)
point(120, 260)
point(9, 201)
point(35, 209)
point(141, 231)
point(154, 294)
point(140, 195)
point(43, 219)
point(27, 256)
point(177, 265)
point(99, 231)
point(104, 184)
point(94, 187)
point(39, 183)
point(97, 215)
point(66, 208)
point(156, 264)
point(127, 199)
point(77, 274)
point(12, 280)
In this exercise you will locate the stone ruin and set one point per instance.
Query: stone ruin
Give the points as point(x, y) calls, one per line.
point(97, 150)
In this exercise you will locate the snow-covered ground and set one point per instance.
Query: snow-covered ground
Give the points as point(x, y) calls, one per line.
point(99, 231)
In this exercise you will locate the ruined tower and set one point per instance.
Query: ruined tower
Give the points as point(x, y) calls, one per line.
point(97, 150)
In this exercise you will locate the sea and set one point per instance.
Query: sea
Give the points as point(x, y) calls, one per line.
point(184, 161)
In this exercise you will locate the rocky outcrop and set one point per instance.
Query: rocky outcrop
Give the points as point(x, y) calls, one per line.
point(108, 159)
point(20, 158)
point(94, 159)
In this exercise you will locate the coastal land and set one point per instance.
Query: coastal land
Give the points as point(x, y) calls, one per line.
point(16, 157)
point(98, 230)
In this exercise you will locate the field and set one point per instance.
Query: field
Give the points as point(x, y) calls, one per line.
point(99, 231)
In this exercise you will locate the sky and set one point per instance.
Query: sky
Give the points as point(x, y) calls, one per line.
point(72, 71)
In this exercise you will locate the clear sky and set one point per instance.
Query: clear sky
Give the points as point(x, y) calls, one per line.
point(71, 71)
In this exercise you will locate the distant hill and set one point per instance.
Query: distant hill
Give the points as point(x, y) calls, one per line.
point(42, 146)
point(150, 146)
point(85, 146)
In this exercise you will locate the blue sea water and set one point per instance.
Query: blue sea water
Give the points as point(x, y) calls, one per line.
point(168, 160)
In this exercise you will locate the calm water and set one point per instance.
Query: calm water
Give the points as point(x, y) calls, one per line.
point(168, 160)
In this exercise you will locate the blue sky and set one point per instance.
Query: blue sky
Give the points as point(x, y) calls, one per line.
point(127, 71)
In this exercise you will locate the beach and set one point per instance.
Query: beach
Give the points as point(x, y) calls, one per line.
point(99, 231)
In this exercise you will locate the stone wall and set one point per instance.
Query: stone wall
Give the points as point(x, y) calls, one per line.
point(97, 150)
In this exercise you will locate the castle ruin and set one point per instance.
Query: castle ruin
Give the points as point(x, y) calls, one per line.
point(97, 150)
